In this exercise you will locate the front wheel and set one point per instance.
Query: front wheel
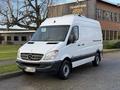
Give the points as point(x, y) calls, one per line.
point(97, 60)
point(65, 70)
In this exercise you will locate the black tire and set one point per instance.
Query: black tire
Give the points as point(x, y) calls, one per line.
point(65, 70)
point(97, 60)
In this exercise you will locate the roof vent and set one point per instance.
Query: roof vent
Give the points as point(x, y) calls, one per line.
point(54, 21)
point(82, 16)
point(79, 15)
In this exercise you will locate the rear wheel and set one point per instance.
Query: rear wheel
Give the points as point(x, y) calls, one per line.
point(97, 60)
point(65, 70)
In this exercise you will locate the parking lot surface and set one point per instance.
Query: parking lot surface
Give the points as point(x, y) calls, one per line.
point(86, 77)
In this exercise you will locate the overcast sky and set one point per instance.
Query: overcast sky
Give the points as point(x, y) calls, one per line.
point(63, 1)
point(116, 1)
point(67, 1)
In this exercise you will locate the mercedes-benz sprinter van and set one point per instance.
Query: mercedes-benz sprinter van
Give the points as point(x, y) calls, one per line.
point(60, 44)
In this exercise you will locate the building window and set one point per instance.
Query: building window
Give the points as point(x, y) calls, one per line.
point(103, 15)
point(16, 38)
point(115, 17)
point(119, 35)
point(107, 35)
point(119, 17)
point(98, 13)
point(8, 38)
point(24, 38)
point(111, 35)
point(2, 38)
point(115, 35)
point(103, 31)
point(110, 16)
point(107, 15)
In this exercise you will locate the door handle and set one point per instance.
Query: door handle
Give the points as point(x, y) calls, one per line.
point(78, 44)
point(81, 44)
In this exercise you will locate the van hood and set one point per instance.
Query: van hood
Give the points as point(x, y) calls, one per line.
point(40, 47)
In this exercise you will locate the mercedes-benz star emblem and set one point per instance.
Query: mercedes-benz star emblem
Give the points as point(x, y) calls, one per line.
point(30, 57)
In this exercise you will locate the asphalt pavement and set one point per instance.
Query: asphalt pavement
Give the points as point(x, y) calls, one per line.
point(86, 77)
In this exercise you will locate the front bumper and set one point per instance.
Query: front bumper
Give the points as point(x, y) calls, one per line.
point(41, 66)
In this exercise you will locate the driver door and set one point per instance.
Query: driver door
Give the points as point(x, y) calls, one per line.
point(73, 43)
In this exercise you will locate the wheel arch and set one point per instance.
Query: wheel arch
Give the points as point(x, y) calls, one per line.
point(69, 60)
point(100, 53)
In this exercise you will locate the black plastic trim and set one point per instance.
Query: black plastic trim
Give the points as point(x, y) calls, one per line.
point(82, 57)
point(42, 66)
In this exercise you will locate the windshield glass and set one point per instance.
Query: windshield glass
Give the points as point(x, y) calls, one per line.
point(51, 33)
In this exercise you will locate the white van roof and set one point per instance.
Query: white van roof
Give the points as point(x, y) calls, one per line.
point(66, 20)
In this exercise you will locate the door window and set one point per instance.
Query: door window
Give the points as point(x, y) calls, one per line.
point(74, 35)
point(75, 30)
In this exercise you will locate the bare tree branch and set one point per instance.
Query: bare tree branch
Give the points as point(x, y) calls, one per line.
point(30, 15)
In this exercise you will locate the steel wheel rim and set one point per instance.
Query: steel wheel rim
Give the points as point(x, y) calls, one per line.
point(66, 70)
point(97, 60)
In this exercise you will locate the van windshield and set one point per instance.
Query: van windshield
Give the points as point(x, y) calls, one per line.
point(51, 33)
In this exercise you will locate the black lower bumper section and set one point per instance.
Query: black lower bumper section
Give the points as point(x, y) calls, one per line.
point(42, 66)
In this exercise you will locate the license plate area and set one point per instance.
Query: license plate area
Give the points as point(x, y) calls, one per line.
point(30, 69)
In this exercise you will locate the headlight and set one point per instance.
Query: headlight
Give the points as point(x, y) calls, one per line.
point(18, 54)
point(51, 55)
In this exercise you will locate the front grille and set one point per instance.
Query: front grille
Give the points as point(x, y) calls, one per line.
point(31, 56)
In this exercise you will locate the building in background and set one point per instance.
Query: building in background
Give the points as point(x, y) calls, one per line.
point(15, 36)
point(106, 12)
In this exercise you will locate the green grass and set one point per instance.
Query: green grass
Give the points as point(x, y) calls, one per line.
point(111, 44)
point(8, 68)
point(8, 52)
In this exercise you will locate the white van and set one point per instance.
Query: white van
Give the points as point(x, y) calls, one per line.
point(60, 44)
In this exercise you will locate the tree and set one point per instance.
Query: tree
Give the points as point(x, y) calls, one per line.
point(27, 14)
point(5, 13)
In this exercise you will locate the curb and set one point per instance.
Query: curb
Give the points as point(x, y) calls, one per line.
point(110, 51)
point(10, 75)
